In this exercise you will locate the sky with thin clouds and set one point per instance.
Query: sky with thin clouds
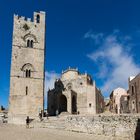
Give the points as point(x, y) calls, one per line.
point(100, 37)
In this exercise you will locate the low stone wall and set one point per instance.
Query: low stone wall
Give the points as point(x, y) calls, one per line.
point(3, 117)
point(116, 126)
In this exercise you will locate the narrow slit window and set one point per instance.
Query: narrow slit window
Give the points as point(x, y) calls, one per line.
point(133, 89)
point(38, 18)
point(89, 104)
point(26, 90)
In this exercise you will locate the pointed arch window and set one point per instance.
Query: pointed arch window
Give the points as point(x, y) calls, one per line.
point(30, 43)
point(28, 73)
point(28, 70)
point(30, 40)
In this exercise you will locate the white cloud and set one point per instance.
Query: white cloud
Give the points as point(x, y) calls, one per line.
point(117, 61)
point(50, 78)
point(96, 37)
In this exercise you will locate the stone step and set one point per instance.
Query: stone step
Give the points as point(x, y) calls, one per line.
point(53, 122)
point(53, 126)
point(50, 122)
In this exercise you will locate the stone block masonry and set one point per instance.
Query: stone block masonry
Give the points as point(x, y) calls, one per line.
point(117, 126)
point(27, 68)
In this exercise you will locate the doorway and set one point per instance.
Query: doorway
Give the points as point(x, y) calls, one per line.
point(63, 104)
point(74, 105)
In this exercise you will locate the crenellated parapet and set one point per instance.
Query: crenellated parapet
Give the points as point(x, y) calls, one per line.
point(38, 16)
point(17, 17)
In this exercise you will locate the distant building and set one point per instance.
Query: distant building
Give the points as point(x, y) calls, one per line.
point(115, 97)
point(75, 93)
point(124, 104)
point(134, 93)
point(107, 104)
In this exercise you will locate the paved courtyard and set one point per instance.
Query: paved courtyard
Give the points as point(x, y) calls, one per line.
point(9, 132)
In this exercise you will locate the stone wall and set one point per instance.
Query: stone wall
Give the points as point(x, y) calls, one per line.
point(3, 116)
point(116, 126)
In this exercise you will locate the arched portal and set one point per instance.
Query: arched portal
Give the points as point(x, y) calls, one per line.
point(74, 105)
point(63, 104)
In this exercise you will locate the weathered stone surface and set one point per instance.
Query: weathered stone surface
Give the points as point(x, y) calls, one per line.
point(75, 93)
point(134, 94)
point(3, 117)
point(116, 126)
point(27, 68)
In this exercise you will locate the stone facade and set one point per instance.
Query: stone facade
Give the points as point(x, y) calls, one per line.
point(134, 93)
point(27, 68)
point(107, 105)
point(124, 104)
point(75, 93)
point(115, 99)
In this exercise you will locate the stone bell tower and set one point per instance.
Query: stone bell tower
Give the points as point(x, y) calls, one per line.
point(27, 68)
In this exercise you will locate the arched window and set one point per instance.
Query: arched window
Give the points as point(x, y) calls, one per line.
point(31, 44)
point(29, 73)
point(74, 105)
point(28, 43)
point(133, 89)
point(30, 39)
point(38, 18)
point(28, 70)
point(26, 73)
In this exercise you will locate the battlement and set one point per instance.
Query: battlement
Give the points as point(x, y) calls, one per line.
point(22, 18)
point(75, 70)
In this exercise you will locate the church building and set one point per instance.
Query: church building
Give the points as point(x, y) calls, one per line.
point(75, 93)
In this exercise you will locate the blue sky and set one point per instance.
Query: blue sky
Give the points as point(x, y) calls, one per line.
point(100, 37)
